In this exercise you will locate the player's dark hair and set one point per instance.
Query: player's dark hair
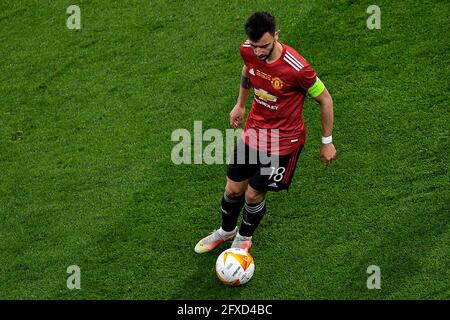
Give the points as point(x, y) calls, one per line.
point(258, 24)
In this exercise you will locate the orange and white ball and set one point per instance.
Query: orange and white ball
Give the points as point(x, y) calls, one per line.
point(235, 267)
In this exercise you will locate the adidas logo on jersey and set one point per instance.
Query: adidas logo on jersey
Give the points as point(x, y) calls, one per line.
point(252, 72)
point(273, 185)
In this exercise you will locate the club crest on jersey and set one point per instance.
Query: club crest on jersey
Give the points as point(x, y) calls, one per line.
point(277, 83)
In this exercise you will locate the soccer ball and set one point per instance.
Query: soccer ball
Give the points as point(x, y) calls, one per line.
point(235, 267)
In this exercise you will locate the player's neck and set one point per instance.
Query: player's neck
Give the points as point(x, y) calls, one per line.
point(276, 53)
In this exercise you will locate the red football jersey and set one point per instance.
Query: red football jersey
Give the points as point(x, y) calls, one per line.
point(279, 93)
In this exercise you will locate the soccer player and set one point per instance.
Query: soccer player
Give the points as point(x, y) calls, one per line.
point(274, 131)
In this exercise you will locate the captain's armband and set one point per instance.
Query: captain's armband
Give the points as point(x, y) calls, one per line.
point(317, 88)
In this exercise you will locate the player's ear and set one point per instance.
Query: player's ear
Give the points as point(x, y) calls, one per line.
point(275, 36)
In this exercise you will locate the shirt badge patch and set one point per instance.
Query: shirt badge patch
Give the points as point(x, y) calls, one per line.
point(277, 83)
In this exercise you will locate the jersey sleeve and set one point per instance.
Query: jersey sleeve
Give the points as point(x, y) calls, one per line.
point(306, 77)
point(245, 53)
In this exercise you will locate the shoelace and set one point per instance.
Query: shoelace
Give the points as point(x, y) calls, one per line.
point(216, 235)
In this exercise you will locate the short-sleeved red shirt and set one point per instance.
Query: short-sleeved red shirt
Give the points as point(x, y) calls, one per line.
point(279, 93)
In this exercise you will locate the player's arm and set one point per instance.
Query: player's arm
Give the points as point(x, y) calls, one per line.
point(326, 112)
point(323, 97)
point(237, 114)
point(244, 87)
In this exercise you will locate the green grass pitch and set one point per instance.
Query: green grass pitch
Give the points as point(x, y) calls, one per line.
point(86, 176)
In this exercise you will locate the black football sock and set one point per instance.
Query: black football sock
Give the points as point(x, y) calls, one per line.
point(253, 213)
point(231, 207)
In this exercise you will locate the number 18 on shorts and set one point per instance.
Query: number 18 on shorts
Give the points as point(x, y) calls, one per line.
point(264, 172)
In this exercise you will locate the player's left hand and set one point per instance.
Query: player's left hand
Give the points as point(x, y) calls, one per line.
point(327, 153)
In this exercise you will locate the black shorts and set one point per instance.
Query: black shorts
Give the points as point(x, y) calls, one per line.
point(264, 172)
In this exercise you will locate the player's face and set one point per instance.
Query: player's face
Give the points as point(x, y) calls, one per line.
point(263, 48)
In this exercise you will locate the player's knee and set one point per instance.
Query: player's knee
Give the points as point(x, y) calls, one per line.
point(254, 196)
point(234, 191)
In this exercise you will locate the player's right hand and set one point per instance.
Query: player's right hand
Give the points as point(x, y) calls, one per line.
point(236, 115)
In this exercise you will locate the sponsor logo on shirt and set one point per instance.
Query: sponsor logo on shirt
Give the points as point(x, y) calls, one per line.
point(265, 104)
point(264, 95)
